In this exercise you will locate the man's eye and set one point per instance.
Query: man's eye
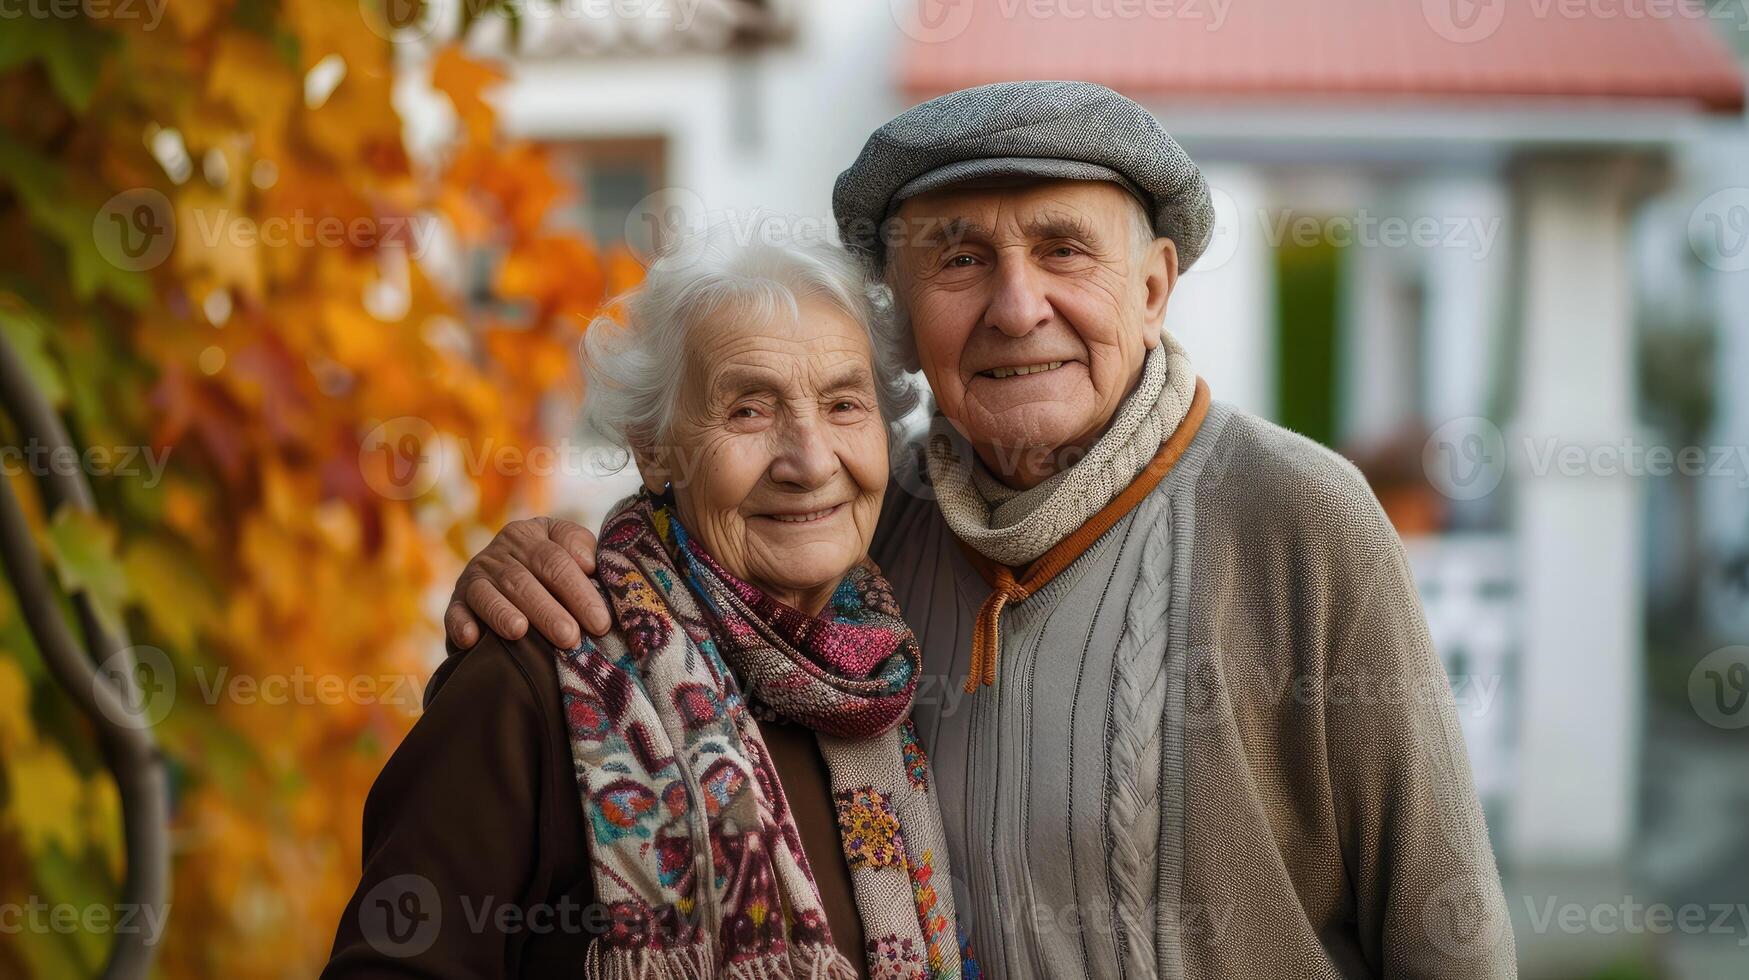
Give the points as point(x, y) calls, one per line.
point(845, 406)
point(960, 261)
point(1064, 251)
point(745, 412)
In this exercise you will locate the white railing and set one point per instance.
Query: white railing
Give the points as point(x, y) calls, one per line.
point(1470, 594)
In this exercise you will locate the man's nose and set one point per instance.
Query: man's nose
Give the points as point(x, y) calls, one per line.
point(1018, 306)
point(805, 457)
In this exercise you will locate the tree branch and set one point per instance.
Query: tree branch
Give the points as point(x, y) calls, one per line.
point(114, 704)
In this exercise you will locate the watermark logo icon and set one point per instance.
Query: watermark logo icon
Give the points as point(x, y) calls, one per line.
point(660, 225)
point(1464, 21)
point(1465, 917)
point(1224, 237)
point(145, 701)
point(1465, 458)
point(135, 230)
point(401, 916)
point(1718, 688)
point(932, 21)
point(399, 20)
point(398, 458)
point(1718, 230)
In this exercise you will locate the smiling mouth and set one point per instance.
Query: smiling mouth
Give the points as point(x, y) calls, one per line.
point(808, 518)
point(1014, 372)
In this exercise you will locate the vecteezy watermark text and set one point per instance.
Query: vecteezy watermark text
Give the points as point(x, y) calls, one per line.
point(940, 21)
point(1474, 21)
point(36, 916)
point(1466, 458)
point(137, 229)
point(1630, 915)
point(149, 12)
point(36, 459)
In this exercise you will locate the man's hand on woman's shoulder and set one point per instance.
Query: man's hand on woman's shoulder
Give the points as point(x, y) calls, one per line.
point(535, 571)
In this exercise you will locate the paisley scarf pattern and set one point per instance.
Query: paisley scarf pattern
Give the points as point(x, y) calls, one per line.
point(694, 850)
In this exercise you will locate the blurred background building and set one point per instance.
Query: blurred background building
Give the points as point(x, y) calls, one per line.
point(1496, 252)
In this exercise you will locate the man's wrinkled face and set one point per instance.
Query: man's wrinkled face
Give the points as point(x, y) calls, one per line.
point(1032, 313)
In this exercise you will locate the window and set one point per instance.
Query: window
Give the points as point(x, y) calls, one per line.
point(611, 177)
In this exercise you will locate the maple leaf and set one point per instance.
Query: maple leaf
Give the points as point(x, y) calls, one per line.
point(45, 790)
point(465, 81)
point(82, 547)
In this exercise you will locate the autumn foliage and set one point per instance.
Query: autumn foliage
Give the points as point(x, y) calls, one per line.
point(296, 388)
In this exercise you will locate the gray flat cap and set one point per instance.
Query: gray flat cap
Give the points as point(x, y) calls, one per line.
point(1075, 130)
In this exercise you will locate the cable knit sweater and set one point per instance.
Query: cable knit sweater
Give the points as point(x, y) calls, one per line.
point(1190, 764)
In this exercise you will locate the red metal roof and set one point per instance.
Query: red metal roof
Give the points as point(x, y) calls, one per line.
point(1605, 49)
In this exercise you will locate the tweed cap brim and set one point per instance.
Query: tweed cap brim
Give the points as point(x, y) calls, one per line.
point(1074, 130)
point(971, 171)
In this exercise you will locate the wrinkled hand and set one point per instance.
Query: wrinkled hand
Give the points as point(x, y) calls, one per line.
point(534, 571)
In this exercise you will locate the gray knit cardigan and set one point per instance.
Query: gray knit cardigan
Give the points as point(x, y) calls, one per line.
point(1220, 745)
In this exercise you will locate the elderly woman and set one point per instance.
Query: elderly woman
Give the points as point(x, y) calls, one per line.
point(728, 783)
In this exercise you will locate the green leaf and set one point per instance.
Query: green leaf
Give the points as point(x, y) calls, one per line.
point(24, 330)
point(16, 641)
point(15, 47)
point(36, 178)
point(92, 273)
point(83, 547)
point(39, 183)
point(71, 51)
point(65, 881)
point(51, 954)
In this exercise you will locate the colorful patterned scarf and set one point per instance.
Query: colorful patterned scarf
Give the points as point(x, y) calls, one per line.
point(694, 850)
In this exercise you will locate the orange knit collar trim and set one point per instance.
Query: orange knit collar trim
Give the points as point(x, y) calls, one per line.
point(1015, 585)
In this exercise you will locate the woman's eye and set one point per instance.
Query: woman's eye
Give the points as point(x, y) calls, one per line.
point(745, 412)
point(845, 407)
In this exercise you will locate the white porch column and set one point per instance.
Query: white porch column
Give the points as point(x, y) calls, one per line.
point(1376, 369)
point(1724, 526)
point(1463, 304)
point(1223, 310)
point(1576, 533)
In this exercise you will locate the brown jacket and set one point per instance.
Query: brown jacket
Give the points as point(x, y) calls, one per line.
point(476, 860)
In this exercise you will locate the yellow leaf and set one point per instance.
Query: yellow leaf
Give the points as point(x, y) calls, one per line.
point(45, 793)
point(249, 77)
point(15, 727)
point(217, 242)
point(193, 17)
point(171, 589)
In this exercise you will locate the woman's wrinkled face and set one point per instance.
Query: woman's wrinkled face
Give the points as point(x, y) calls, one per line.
point(778, 454)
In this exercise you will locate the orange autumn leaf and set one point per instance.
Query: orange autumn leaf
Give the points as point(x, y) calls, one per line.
point(548, 359)
point(465, 81)
point(560, 273)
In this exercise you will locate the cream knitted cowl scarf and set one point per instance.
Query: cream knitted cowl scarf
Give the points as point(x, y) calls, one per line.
point(1014, 527)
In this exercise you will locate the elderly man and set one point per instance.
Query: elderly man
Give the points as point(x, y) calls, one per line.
point(1209, 736)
